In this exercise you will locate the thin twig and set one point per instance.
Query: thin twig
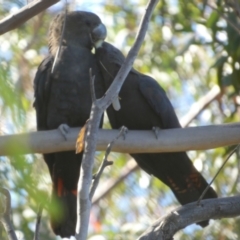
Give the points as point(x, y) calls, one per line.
point(107, 186)
point(96, 179)
point(219, 170)
point(197, 107)
point(237, 180)
point(234, 5)
point(38, 222)
point(5, 217)
point(226, 18)
point(105, 162)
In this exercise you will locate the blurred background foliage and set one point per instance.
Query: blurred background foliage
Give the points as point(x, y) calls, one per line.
point(190, 47)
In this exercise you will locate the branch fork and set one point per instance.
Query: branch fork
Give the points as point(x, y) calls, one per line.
point(98, 107)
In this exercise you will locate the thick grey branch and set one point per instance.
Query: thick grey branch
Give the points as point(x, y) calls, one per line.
point(85, 179)
point(45, 142)
point(165, 227)
point(170, 140)
point(30, 10)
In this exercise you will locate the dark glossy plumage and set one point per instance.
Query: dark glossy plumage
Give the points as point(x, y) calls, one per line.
point(144, 105)
point(63, 97)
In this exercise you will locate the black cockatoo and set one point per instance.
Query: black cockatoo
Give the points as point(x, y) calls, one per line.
point(144, 105)
point(62, 96)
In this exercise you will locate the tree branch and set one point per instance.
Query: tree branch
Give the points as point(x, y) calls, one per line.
point(38, 222)
point(165, 227)
point(97, 176)
point(216, 174)
point(231, 23)
point(98, 107)
point(234, 4)
point(30, 10)
point(5, 217)
point(105, 162)
point(45, 142)
point(111, 183)
point(115, 87)
point(200, 105)
point(170, 140)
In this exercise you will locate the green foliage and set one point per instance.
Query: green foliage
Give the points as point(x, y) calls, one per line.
point(189, 48)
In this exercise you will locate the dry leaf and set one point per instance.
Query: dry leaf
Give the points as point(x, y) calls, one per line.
point(80, 139)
